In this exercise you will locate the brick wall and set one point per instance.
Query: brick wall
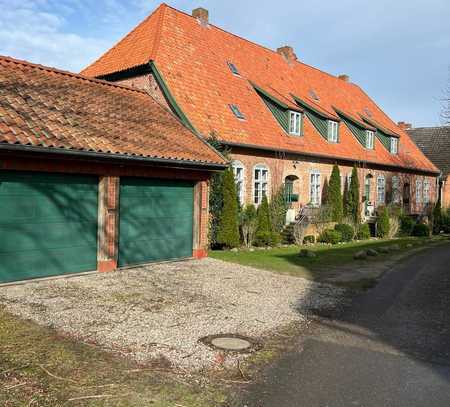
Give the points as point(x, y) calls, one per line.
point(280, 167)
point(445, 199)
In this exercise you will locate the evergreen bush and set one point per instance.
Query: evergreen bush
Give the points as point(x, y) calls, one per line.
point(420, 229)
point(363, 232)
point(346, 231)
point(309, 239)
point(330, 236)
point(334, 195)
point(264, 226)
point(383, 225)
point(228, 228)
point(277, 209)
point(406, 225)
point(353, 198)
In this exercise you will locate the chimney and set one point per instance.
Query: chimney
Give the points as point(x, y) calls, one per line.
point(287, 53)
point(404, 126)
point(344, 78)
point(201, 14)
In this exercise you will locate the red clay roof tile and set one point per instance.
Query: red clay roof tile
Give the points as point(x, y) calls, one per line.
point(193, 61)
point(45, 107)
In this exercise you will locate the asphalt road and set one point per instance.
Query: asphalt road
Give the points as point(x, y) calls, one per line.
point(391, 347)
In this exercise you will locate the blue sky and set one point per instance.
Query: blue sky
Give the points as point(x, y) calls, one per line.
point(397, 51)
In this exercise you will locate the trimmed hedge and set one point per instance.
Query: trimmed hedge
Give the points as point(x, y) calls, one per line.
point(421, 229)
point(346, 231)
point(330, 236)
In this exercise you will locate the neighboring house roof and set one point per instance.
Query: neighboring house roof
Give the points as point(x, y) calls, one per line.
point(47, 108)
point(435, 143)
point(193, 57)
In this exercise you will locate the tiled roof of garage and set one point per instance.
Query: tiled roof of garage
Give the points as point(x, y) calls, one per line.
point(45, 107)
point(193, 60)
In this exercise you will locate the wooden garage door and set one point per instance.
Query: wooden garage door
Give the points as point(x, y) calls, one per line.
point(48, 225)
point(156, 218)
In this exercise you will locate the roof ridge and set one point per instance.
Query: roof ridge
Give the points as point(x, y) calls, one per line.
point(258, 45)
point(157, 10)
point(68, 73)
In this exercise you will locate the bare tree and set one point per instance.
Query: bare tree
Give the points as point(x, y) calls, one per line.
point(445, 112)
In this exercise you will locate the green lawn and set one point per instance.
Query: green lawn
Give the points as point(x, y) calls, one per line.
point(329, 258)
point(38, 367)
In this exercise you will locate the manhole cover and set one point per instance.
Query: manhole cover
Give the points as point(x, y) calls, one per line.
point(231, 343)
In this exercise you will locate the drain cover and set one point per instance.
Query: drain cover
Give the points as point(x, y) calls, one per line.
point(231, 343)
point(228, 343)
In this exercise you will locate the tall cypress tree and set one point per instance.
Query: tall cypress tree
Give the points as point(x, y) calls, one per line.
point(334, 197)
point(228, 227)
point(353, 197)
point(264, 225)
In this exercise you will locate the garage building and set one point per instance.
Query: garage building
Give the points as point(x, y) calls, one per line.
point(94, 176)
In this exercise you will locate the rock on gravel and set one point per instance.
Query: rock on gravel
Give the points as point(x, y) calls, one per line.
point(162, 310)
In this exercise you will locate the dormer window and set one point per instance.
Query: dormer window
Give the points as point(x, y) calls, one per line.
point(237, 112)
point(394, 145)
point(295, 123)
point(370, 139)
point(333, 128)
point(233, 68)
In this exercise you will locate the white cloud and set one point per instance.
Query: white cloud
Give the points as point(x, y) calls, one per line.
point(30, 30)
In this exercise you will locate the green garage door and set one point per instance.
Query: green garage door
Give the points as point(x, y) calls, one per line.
point(156, 218)
point(48, 225)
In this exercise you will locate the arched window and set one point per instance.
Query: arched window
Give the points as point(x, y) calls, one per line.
point(260, 183)
point(239, 176)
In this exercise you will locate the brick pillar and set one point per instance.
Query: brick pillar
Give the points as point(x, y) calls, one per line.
point(201, 214)
point(108, 205)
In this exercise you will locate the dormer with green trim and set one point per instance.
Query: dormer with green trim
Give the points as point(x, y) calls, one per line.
point(326, 125)
point(289, 118)
point(364, 133)
point(387, 138)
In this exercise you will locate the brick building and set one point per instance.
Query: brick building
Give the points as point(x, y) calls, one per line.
point(94, 176)
point(435, 144)
point(284, 121)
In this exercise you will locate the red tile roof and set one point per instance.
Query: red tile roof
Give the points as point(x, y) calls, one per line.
point(192, 58)
point(45, 107)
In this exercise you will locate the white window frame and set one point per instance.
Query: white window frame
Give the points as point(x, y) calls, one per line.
point(333, 131)
point(419, 191)
point(261, 179)
point(295, 123)
point(394, 145)
point(381, 190)
point(315, 188)
point(426, 191)
point(239, 179)
point(396, 193)
point(370, 139)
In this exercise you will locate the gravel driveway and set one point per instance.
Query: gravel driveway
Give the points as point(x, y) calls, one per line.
point(162, 310)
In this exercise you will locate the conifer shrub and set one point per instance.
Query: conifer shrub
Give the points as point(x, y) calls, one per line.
point(406, 225)
point(383, 225)
point(264, 234)
point(334, 195)
point(228, 227)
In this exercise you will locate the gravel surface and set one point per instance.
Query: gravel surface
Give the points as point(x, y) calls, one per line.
point(160, 311)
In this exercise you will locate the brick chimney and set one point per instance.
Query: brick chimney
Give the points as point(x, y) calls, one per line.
point(201, 14)
point(344, 78)
point(404, 126)
point(287, 53)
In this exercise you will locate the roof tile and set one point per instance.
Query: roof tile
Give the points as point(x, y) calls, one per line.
point(42, 106)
